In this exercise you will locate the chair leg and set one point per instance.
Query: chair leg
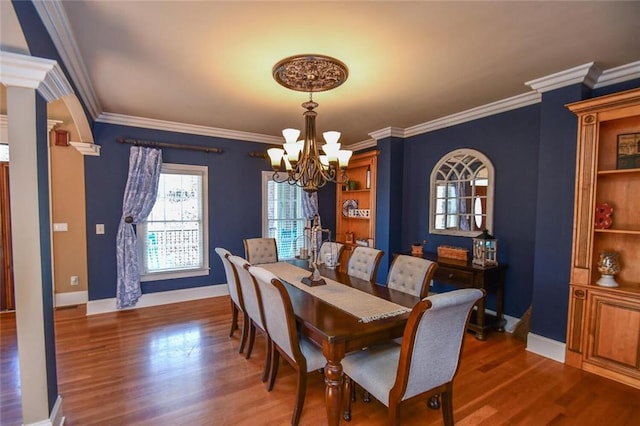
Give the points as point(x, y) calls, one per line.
point(275, 362)
point(245, 332)
point(353, 390)
point(349, 390)
point(234, 318)
point(301, 392)
point(252, 338)
point(447, 406)
point(267, 360)
point(394, 414)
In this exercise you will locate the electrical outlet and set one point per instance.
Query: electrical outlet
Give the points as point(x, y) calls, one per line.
point(99, 228)
point(74, 280)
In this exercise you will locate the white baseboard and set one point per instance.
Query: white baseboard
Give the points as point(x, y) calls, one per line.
point(55, 419)
point(511, 321)
point(546, 347)
point(102, 306)
point(72, 298)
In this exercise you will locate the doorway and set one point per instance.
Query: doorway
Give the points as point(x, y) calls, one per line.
point(7, 299)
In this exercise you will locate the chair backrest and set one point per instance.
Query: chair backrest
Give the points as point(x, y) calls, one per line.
point(433, 339)
point(364, 262)
point(248, 288)
point(279, 318)
point(260, 250)
point(232, 280)
point(411, 274)
point(332, 249)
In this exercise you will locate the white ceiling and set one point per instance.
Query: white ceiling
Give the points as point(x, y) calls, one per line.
point(209, 63)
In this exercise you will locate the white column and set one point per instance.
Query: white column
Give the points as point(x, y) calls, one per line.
point(27, 261)
point(26, 78)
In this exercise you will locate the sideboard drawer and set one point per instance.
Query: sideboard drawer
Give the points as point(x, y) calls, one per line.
point(454, 276)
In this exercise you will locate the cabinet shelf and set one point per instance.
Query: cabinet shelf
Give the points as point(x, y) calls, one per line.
point(362, 169)
point(617, 172)
point(346, 192)
point(624, 288)
point(618, 231)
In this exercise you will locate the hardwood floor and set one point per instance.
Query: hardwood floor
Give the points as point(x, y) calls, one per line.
point(176, 365)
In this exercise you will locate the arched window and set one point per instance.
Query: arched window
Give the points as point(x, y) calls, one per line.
point(462, 194)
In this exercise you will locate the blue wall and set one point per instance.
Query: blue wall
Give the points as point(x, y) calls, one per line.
point(235, 201)
point(510, 141)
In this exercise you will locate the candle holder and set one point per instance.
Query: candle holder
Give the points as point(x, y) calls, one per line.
point(608, 266)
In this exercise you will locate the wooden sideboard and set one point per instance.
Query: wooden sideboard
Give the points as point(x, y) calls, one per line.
point(463, 274)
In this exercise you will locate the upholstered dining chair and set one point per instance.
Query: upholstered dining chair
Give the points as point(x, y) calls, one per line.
point(260, 250)
point(280, 321)
point(411, 274)
point(252, 311)
point(332, 249)
point(235, 294)
point(426, 362)
point(364, 262)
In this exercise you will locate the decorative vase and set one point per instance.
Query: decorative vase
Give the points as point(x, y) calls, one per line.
point(608, 266)
point(416, 249)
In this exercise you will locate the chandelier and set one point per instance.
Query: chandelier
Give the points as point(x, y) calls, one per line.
point(301, 159)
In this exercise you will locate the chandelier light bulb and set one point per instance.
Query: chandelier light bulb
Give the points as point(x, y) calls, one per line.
point(287, 164)
point(331, 149)
point(290, 135)
point(275, 154)
point(293, 151)
point(331, 137)
point(344, 155)
point(324, 160)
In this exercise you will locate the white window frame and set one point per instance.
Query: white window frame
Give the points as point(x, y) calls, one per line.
point(267, 177)
point(186, 169)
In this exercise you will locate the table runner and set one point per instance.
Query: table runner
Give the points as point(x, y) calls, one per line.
point(364, 306)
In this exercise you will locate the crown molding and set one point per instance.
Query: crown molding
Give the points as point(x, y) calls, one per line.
point(618, 74)
point(388, 132)
point(172, 126)
point(85, 148)
point(359, 146)
point(55, 21)
point(31, 72)
point(587, 74)
point(493, 108)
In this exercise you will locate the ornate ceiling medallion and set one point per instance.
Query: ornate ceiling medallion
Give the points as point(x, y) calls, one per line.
point(310, 73)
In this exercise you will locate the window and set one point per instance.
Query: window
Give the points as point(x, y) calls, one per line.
point(282, 216)
point(173, 241)
point(462, 194)
point(4, 152)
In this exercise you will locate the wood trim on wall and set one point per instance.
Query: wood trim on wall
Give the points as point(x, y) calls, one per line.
point(7, 299)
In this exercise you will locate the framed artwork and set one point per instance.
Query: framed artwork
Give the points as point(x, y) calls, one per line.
point(349, 238)
point(628, 155)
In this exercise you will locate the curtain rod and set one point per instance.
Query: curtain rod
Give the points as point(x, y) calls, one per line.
point(152, 144)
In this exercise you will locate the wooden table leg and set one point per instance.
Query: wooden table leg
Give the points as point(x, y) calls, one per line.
point(480, 319)
point(333, 382)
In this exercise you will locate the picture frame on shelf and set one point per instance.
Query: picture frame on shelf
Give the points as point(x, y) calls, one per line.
point(349, 238)
point(628, 153)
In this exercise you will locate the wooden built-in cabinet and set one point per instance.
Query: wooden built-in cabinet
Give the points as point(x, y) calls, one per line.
point(603, 330)
point(362, 170)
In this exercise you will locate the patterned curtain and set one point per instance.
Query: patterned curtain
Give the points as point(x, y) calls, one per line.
point(139, 198)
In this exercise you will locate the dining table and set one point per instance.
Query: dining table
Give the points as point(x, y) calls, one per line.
point(345, 315)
